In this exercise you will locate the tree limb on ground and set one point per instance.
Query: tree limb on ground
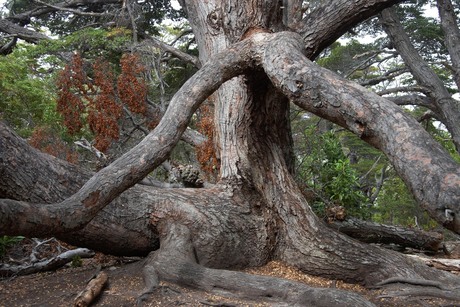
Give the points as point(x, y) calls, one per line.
point(371, 232)
point(45, 265)
point(92, 290)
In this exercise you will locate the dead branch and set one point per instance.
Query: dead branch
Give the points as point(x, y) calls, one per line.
point(92, 290)
point(45, 265)
point(70, 10)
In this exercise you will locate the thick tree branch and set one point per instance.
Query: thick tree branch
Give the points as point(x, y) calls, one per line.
point(448, 108)
point(292, 13)
point(70, 10)
point(76, 211)
point(30, 36)
point(326, 23)
point(451, 35)
point(417, 158)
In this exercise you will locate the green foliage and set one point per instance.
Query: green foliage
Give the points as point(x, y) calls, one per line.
point(76, 262)
point(7, 241)
point(445, 139)
point(328, 171)
point(344, 58)
point(27, 93)
point(395, 205)
point(90, 43)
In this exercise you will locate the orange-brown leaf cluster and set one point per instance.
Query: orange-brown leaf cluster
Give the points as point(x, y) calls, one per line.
point(46, 141)
point(98, 98)
point(104, 111)
point(132, 89)
point(70, 82)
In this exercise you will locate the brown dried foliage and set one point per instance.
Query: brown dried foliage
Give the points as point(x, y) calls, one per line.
point(99, 99)
point(104, 111)
point(132, 89)
point(47, 141)
point(71, 82)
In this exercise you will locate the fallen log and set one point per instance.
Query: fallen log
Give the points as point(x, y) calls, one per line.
point(370, 232)
point(92, 290)
point(45, 265)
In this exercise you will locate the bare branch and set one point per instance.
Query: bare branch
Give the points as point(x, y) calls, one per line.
point(176, 52)
point(388, 75)
point(415, 100)
point(30, 36)
point(394, 90)
point(24, 17)
point(70, 10)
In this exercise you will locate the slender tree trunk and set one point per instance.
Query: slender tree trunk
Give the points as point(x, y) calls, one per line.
point(451, 35)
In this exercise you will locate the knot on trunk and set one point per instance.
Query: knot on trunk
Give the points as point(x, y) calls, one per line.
point(214, 19)
point(187, 175)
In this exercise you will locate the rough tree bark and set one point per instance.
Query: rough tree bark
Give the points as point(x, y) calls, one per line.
point(256, 213)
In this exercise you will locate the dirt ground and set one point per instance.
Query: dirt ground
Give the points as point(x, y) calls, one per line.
point(60, 287)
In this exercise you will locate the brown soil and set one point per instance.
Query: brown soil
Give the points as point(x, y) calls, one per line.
point(59, 288)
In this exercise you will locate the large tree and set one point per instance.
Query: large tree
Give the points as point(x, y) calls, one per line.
point(256, 58)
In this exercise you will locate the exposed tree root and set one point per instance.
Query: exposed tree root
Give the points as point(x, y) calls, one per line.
point(447, 295)
point(175, 262)
point(442, 291)
point(415, 282)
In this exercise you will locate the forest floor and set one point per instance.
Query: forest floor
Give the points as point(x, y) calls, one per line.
point(60, 287)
